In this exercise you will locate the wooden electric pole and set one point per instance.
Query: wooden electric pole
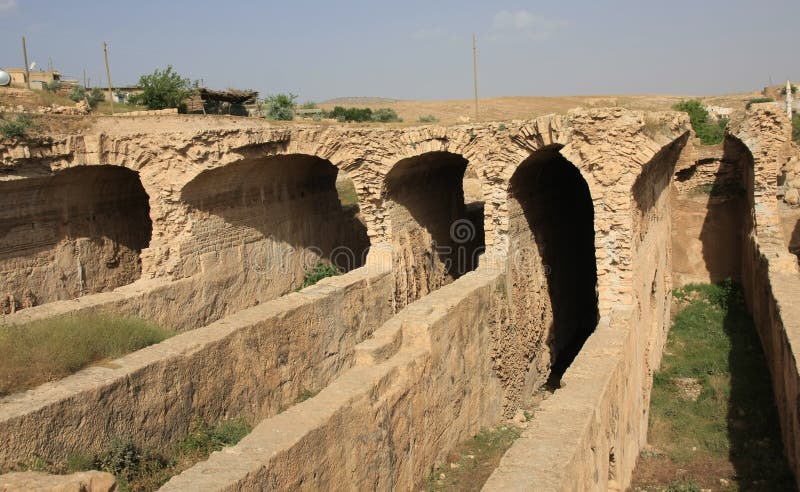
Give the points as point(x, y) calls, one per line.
point(108, 74)
point(27, 70)
point(475, 72)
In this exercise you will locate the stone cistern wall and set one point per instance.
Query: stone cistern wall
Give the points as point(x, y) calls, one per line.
point(481, 260)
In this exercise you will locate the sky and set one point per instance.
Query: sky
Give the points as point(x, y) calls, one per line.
point(417, 49)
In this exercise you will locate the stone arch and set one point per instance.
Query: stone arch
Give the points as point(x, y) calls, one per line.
point(73, 232)
point(268, 220)
point(434, 237)
point(552, 273)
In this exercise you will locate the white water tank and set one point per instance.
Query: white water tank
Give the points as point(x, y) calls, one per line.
point(5, 78)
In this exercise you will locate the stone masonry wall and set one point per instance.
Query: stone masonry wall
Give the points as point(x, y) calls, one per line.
point(769, 271)
point(253, 364)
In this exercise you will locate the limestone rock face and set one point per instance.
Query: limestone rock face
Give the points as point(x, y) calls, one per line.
point(89, 481)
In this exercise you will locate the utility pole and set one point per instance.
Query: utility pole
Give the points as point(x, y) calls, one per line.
point(108, 74)
point(27, 70)
point(50, 63)
point(475, 72)
point(84, 78)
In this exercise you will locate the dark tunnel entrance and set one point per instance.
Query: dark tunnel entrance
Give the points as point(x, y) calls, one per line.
point(438, 238)
point(553, 270)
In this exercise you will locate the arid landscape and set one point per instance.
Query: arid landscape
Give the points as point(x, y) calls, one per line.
point(206, 289)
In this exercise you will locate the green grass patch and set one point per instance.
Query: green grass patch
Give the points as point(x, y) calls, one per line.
point(733, 422)
point(46, 350)
point(796, 128)
point(470, 466)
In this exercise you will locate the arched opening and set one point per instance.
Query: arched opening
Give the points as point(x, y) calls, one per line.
point(552, 272)
point(264, 223)
point(436, 236)
point(78, 231)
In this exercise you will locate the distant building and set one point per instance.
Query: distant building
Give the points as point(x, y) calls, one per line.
point(121, 94)
point(38, 77)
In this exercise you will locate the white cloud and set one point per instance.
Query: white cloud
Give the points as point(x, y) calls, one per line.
point(508, 24)
point(7, 5)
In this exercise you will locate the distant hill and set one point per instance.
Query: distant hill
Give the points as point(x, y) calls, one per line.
point(360, 101)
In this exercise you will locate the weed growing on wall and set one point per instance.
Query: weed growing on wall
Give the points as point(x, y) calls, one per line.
point(321, 270)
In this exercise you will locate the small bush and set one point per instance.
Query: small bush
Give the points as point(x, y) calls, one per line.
point(309, 105)
point(709, 133)
point(758, 100)
point(385, 115)
point(350, 114)
point(205, 438)
point(77, 93)
point(794, 90)
point(428, 119)
point(321, 270)
point(16, 128)
point(53, 86)
point(95, 97)
point(280, 106)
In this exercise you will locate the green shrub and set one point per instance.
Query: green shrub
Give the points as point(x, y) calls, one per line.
point(77, 93)
point(162, 90)
point(309, 105)
point(385, 115)
point(428, 119)
point(794, 90)
point(709, 133)
point(16, 128)
point(52, 86)
point(350, 114)
point(95, 97)
point(205, 438)
point(321, 270)
point(280, 106)
point(758, 100)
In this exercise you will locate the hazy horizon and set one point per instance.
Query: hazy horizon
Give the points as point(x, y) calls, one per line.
point(417, 50)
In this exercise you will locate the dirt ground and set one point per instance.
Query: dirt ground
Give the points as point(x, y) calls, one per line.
point(522, 107)
point(446, 112)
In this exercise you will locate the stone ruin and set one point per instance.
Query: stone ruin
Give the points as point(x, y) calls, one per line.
point(480, 261)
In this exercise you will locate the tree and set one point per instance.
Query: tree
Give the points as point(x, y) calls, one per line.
point(280, 106)
point(95, 97)
point(162, 89)
point(708, 132)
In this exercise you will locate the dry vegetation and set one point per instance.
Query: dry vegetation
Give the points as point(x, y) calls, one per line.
point(51, 349)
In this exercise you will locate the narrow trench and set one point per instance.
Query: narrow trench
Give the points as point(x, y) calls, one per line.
point(553, 307)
